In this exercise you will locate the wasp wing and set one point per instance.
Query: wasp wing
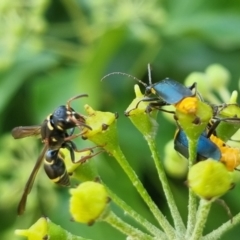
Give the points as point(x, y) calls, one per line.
point(29, 184)
point(26, 131)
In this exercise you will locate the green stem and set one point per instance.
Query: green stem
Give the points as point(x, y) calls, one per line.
point(216, 234)
point(178, 223)
point(127, 209)
point(192, 144)
point(192, 210)
point(192, 200)
point(125, 228)
point(118, 154)
point(202, 214)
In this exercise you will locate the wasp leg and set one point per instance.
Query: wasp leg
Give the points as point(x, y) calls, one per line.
point(84, 159)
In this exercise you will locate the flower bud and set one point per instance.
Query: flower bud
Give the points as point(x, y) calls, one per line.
point(233, 98)
point(176, 166)
point(45, 229)
point(88, 202)
point(226, 129)
point(218, 75)
point(83, 171)
point(37, 231)
point(194, 124)
point(201, 80)
point(209, 179)
point(103, 129)
point(145, 122)
point(215, 78)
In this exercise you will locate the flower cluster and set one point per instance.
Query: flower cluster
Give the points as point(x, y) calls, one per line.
point(203, 130)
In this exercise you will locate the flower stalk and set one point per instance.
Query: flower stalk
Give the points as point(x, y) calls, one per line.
point(192, 200)
point(202, 215)
point(217, 233)
point(125, 228)
point(147, 125)
point(178, 223)
point(104, 133)
point(90, 202)
point(119, 156)
point(138, 218)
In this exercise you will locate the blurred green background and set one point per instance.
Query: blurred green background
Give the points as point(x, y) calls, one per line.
point(53, 50)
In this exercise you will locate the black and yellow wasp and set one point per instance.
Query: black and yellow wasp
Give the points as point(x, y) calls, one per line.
point(56, 132)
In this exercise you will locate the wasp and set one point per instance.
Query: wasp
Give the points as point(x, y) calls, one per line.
point(56, 132)
point(55, 168)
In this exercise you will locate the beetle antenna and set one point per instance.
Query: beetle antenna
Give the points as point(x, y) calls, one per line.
point(225, 206)
point(125, 74)
point(73, 98)
point(149, 74)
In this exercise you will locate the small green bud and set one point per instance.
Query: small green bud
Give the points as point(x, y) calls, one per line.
point(226, 130)
point(201, 80)
point(37, 231)
point(233, 98)
point(103, 129)
point(88, 202)
point(44, 229)
point(218, 79)
point(175, 165)
point(209, 179)
point(218, 76)
point(83, 171)
point(145, 122)
point(233, 143)
point(194, 124)
point(215, 78)
point(229, 111)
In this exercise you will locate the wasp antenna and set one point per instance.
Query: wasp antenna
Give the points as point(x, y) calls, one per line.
point(149, 74)
point(73, 98)
point(81, 124)
point(125, 74)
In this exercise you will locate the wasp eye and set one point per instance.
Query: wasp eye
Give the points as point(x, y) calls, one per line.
point(61, 123)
